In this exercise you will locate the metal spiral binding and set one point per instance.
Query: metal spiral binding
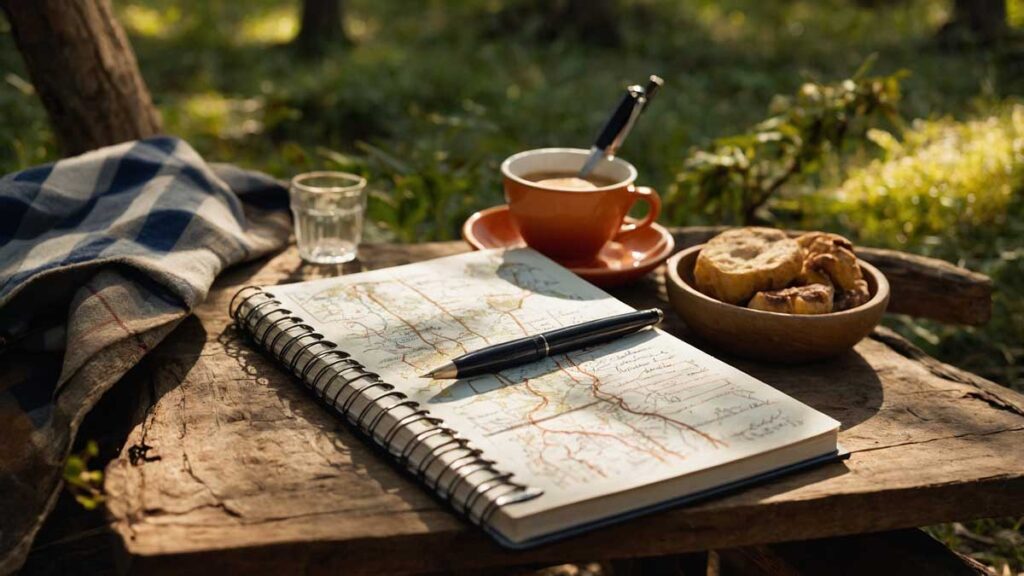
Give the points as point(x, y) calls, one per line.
point(338, 366)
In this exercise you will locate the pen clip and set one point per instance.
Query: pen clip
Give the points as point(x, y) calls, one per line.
point(643, 96)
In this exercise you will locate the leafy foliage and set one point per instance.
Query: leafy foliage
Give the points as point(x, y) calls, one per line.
point(421, 187)
point(998, 543)
point(734, 179)
point(86, 485)
point(946, 186)
point(952, 190)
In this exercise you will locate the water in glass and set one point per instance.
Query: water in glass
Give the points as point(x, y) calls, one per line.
point(328, 209)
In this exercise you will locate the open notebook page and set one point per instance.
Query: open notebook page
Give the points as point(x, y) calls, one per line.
point(639, 410)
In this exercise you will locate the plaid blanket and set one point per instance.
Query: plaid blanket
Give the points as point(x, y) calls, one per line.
point(101, 256)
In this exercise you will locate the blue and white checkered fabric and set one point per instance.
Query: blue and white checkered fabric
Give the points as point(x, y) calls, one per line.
point(148, 204)
point(101, 256)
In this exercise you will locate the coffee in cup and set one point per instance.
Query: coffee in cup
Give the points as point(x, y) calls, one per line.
point(568, 180)
point(567, 217)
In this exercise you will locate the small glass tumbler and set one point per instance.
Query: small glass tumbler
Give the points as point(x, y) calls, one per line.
point(328, 208)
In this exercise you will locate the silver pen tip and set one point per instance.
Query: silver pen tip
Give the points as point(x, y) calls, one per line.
point(448, 370)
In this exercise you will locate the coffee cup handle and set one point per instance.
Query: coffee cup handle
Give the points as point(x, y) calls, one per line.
point(648, 195)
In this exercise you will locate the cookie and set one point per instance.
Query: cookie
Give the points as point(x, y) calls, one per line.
point(812, 299)
point(847, 299)
point(737, 264)
point(831, 255)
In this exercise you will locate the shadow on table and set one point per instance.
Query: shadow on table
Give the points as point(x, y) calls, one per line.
point(78, 540)
point(846, 387)
point(357, 468)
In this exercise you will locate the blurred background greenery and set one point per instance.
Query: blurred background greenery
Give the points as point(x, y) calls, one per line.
point(427, 98)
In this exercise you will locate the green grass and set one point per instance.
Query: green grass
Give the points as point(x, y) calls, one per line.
point(433, 95)
point(440, 89)
point(448, 93)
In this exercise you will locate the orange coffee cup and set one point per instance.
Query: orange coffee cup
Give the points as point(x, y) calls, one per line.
point(572, 223)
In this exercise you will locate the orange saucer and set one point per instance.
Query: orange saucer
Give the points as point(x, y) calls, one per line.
point(626, 258)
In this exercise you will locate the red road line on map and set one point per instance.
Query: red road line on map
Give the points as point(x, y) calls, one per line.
point(404, 321)
point(518, 323)
point(544, 419)
point(457, 343)
point(594, 390)
point(530, 416)
point(581, 432)
point(572, 456)
point(587, 433)
point(445, 310)
point(715, 442)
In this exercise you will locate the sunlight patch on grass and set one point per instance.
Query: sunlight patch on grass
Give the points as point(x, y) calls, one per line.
point(361, 30)
point(1015, 13)
point(944, 177)
point(722, 24)
point(276, 26)
point(149, 22)
point(213, 114)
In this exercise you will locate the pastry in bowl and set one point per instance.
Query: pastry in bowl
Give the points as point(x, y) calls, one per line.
point(810, 299)
point(737, 264)
point(830, 302)
point(765, 269)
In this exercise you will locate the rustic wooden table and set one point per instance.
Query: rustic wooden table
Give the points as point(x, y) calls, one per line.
point(230, 465)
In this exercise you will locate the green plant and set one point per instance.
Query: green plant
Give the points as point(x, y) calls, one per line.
point(997, 542)
point(736, 176)
point(952, 190)
point(422, 190)
point(945, 187)
point(84, 484)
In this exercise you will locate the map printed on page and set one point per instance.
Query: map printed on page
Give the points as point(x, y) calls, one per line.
point(637, 410)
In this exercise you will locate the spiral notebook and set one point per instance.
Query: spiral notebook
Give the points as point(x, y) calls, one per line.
point(547, 449)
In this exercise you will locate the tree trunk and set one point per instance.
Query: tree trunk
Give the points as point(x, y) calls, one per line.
point(982, 21)
point(321, 26)
point(596, 21)
point(84, 71)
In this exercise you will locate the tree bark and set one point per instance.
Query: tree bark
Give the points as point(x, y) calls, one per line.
point(321, 26)
point(594, 22)
point(975, 21)
point(84, 70)
point(985, 18)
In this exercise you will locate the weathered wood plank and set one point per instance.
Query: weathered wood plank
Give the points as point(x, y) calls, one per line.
point(246, 472)
point(922, 287)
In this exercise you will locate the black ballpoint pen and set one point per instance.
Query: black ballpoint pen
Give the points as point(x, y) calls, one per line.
point(621, 122)
point(531, 348)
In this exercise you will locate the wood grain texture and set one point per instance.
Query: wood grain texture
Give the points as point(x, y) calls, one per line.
point(921, 287)
point(232, 467)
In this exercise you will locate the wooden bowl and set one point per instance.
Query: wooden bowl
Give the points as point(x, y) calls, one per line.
point(772, 336)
